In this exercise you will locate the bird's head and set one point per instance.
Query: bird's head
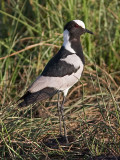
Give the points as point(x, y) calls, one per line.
point(75, 29)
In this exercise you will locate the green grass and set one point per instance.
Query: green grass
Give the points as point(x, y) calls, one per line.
point(30, 34)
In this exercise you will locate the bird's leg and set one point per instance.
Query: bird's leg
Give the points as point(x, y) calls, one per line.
point(58, 105)
point(62, 113)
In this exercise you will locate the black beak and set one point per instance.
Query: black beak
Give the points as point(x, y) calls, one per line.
point(86, 30)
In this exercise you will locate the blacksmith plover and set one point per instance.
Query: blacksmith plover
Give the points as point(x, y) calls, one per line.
point(61, 72)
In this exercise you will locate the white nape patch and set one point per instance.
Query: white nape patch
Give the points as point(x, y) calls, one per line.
point(80, 23)
point(67, 43)
point(73, 60)
point(59, 83)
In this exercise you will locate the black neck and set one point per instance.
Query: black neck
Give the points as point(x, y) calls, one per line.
point(76, 45)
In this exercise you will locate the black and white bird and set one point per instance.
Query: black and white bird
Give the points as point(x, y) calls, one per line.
point(61, 72)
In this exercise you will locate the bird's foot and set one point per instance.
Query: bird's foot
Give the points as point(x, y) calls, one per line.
point(63, 139)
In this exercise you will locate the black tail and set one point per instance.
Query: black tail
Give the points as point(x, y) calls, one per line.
point(31, 98)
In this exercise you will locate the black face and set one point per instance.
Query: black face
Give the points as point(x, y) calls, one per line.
point(75, 30)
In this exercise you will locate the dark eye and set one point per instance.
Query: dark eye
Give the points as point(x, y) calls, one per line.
point(77, 26)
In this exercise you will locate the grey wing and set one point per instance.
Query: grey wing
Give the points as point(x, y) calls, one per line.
point(39, 90)
point(43, 82)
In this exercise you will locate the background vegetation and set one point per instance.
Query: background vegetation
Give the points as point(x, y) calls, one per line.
point(30, 34)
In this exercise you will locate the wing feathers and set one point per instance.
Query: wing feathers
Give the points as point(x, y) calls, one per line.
point(30, 98)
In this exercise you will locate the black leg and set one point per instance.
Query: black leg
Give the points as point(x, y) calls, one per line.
point(62, 113)
point(58, 105)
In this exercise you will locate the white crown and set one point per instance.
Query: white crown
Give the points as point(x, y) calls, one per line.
point(80, 23)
